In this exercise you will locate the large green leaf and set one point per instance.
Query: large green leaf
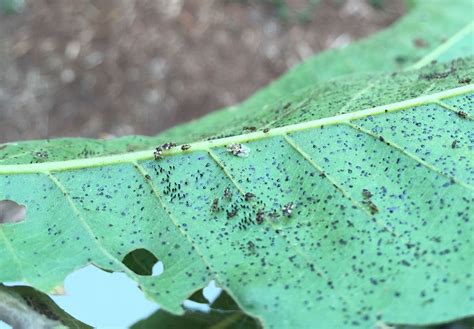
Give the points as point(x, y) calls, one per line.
point(379, 168)
point(380, 230)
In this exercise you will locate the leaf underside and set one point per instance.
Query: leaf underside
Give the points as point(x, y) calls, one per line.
point(365, 184)
point(355, 259)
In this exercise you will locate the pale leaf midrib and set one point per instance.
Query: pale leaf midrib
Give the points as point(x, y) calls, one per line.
point(131, 157)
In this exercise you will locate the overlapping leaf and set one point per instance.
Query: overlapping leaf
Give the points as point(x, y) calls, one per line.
point(25, 307)
point(223, 313)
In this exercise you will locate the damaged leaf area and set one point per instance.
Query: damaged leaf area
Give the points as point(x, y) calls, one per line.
point(348, 220)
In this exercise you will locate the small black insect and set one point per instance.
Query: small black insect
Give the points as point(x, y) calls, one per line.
point(227, 193)
point(454, 144)
point(158, 153)
point(462, 114)
point(251, 246)
point(231, 213)
point(273, 215)
point(465, 80)
point(420, 43)
point(266, 130)
point(185, 147)
point(215, 205)
point(288, 209)
point(249, 196)
point(372, 207)
point(366, 194)
point(252, 129)
point(260, 216)
point(148, 177)
point(168, 146)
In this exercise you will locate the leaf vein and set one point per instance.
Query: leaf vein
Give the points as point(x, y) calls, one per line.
point(410, 155)
point(85, 225)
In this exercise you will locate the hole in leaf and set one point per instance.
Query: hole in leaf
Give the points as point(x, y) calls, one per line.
point(116, 295)
point(212, 291)
point(158, 268)
point(143, 262)
point(11, 212)
point(195, 306)
point(201, 299)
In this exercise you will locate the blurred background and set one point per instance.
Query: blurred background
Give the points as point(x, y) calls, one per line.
point(117, 67)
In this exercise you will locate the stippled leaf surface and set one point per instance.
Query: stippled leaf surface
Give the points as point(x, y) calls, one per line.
point(380, 228)
point(364, 184)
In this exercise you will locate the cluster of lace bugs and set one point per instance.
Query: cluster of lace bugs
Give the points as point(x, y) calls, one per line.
point(237, 150)
point(286, 210)
point(260, 215)
point(158, 152)
point(251, 129)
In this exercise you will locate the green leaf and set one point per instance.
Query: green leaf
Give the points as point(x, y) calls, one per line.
point(25, 307)
point(400, 253)
point(224, 313)
point(9, 7)
point(362, 187)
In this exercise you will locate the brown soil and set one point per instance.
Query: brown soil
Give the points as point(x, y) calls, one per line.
point(101, 68)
